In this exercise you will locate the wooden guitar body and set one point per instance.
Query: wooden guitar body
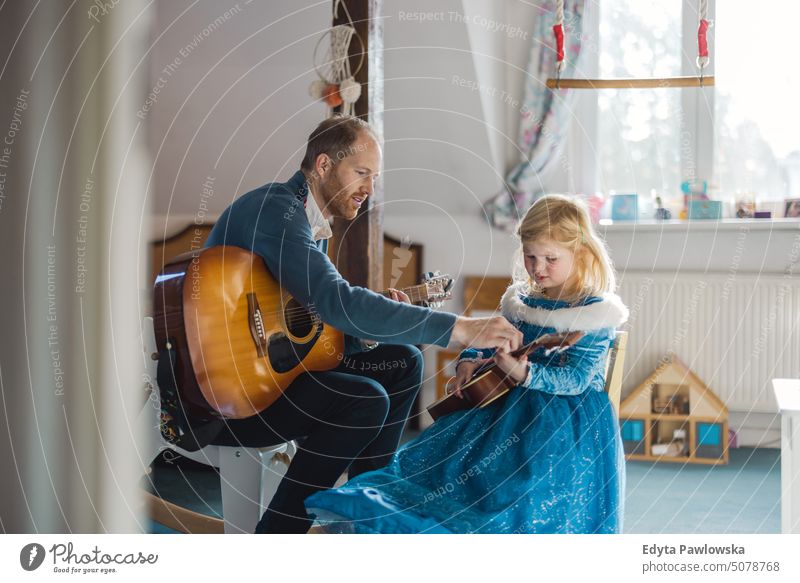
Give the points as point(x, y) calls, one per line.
point(240, 339)
point(479, 391)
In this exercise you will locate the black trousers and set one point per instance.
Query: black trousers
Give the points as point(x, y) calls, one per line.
point(350, 417)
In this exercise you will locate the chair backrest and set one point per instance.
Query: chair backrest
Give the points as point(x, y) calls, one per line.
point(614, 367)
point(483, 293)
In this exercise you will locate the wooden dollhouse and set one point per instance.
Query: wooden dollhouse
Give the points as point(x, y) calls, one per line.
point(674, 417)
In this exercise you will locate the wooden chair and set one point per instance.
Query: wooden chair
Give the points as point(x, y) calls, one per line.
point(614, 369)
point(248, 476)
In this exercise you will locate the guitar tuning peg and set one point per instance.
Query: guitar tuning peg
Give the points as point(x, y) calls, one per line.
point(427, 276)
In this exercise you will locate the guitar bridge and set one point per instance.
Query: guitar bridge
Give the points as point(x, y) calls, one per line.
point(256, 321)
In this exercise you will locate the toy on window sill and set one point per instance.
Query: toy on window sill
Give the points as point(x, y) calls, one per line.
point(692, 190)
point(662, 214)
point(624, 207)
point(595, 203)
point(745, 207)
point(698, 188)
point(705, 210)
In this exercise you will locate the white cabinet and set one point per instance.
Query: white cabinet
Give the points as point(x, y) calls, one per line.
point(787, 393)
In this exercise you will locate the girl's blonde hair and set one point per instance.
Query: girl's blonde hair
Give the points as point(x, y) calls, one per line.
point(565, 221)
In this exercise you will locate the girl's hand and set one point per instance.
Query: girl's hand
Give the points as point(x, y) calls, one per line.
point(515, 368)
point(464, 372)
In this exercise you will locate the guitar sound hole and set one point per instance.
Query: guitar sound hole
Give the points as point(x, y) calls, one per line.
point(298, 319)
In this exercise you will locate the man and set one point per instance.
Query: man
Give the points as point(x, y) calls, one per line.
point(353, 416)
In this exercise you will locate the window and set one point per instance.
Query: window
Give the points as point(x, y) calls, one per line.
point(757, 125)
point(742, 136)
point(639, 149)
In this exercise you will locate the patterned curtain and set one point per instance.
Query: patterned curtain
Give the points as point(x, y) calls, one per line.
point(545, 115)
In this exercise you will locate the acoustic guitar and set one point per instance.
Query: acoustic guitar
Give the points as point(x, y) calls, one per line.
point(239, 338)
point(488, 383)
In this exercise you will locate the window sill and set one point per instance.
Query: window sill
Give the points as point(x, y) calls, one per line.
point(778, 224)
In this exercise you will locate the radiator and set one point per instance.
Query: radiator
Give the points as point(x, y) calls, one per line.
point(735, 331)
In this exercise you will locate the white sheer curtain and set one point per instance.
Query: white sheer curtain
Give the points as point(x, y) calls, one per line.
point(71, 247)
point(545, 114)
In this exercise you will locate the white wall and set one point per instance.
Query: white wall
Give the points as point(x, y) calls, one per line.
point(234, 105)
point(438, 159)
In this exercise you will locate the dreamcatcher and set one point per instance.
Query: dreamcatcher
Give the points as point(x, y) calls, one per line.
point(336, 84)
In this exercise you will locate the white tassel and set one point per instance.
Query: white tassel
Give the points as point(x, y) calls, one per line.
point(317, 89)
point(350, 90)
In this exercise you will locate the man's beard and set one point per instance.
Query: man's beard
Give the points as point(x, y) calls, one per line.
point(336, 197)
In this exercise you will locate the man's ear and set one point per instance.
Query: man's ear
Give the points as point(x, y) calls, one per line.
point(323, 165)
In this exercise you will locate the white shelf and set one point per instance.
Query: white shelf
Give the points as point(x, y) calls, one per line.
point(787, 394)
point(607, 225)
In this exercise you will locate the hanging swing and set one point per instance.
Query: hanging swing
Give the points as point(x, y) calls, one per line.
point(634, 83)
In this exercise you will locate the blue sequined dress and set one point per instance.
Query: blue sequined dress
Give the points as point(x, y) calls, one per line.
point(547, 458)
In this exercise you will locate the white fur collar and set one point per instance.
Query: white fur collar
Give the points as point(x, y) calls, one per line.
point(609, 313)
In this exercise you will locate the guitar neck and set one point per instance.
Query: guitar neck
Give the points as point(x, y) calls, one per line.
point(549, 341)
point(416, 293)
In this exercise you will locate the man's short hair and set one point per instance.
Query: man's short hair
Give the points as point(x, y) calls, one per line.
point(335, 137)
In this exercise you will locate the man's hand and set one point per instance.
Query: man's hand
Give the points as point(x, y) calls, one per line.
point(495, 332)
point(515, 368)
point(398, 296)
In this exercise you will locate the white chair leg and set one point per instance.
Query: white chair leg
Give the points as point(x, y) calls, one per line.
point(274, 463)
point(248, 477)
point(240, 477)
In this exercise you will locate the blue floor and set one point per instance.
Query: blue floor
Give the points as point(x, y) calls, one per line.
point(741, 497)
point(662, 498)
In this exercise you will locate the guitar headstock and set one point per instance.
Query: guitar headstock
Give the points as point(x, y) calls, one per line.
point(437, 289)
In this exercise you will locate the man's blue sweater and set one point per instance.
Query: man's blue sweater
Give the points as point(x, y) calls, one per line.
point(271, 222)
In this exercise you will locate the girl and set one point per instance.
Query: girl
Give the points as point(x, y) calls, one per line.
point(547, 457)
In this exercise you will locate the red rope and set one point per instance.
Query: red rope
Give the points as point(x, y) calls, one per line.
point(702, 43)
point(558, 31)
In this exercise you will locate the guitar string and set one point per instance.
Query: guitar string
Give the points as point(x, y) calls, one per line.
point(305, 317)
point(310, 314)
point(415, 298)
point(302, 309)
